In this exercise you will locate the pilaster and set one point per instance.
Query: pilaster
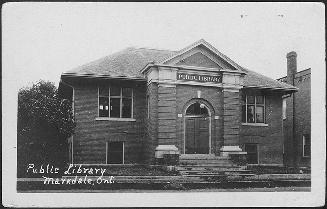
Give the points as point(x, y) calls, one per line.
point(232, 83)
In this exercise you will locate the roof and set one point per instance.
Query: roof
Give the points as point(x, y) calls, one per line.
point(129, 62)
point(254, 79)
point(125, 63)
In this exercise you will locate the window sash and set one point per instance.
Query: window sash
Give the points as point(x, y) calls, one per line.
point(247, 105)
point(284, 108)
point(120, 97)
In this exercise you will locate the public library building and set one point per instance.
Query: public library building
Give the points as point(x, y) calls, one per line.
point(134, 105)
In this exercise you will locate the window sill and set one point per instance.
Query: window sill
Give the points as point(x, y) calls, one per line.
point(115, 119)
point(254, 124)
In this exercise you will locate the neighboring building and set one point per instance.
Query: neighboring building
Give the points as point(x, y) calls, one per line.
point(297, 115)
point(197, 100)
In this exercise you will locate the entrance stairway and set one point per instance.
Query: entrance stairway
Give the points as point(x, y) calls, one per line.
point(211, 167)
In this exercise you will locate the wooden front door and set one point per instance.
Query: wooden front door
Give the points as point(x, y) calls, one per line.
point(197, 135)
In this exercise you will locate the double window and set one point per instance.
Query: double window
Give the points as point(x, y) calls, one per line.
point(253, 108)
point(115, 102)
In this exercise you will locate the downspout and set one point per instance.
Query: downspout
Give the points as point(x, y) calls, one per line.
point(73, 108)
point(294, 132)
point(284, 163)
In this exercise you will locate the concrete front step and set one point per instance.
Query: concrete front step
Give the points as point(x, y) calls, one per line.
point(211, 166)
point(217, 175)
point(227, 172)
point(205, 162)
point(214, 173)
point(202, 157)
point(210, 170)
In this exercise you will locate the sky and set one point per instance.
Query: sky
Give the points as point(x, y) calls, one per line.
point(42, 40)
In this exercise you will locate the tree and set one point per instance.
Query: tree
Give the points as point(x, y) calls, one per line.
point(45, 121)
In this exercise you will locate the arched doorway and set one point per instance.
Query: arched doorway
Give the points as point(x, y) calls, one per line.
point(197, 129)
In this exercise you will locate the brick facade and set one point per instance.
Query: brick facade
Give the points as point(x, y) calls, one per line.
point(231, 117)
point(160, 101)
point(166, 114)
point(167, 103)
point(151, 139)
point(91, 135)
point(298, 119)
point(268, 138)
point(212, 97)
point(303, 114)
point(297, 123)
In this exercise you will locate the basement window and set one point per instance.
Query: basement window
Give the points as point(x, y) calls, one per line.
point(306, 145)
point(115, 153)
point(252, 153)
point(115, 102)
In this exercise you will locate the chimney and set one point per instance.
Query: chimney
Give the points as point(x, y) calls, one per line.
point(291, 67)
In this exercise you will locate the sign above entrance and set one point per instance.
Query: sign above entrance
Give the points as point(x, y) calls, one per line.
point(199, 78)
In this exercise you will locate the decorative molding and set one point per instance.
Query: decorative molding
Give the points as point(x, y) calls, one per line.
point(199, 93)
point(210, 47)
point(167, 84)
point(226, 150)
point(231, 89)
point(191, 53)
point(194, 83)
point(165, 149)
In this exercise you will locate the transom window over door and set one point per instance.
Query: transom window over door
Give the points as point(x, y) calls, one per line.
point(197, 109)
point(253, 108)
point(115, 102)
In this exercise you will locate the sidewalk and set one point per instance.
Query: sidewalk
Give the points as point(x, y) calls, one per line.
point(164, 182)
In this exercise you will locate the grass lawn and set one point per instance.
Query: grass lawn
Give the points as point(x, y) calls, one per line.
point(109, 170)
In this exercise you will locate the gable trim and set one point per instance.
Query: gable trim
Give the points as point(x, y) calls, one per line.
point(207, 45)
point(195, 52)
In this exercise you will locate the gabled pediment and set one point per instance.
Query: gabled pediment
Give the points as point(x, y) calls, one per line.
point(202, 54)
point(199, 60)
